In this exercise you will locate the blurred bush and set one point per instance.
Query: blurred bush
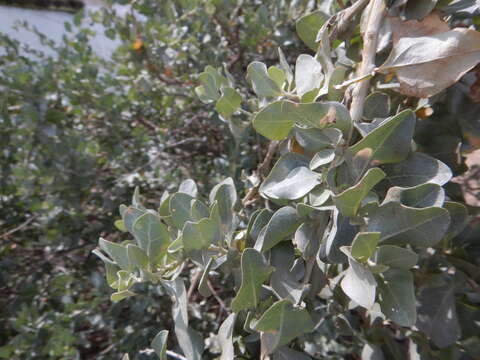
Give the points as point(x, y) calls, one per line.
point(78, 132)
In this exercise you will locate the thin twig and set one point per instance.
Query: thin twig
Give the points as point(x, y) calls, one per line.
point(215, 295)
point(376, 12)
point(176, 356)
point(346, 15)
point(19, 227)
point(261, 171)
point(193, 284)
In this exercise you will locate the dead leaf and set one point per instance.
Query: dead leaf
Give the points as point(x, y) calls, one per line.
point(428, 64)
point(295, 147)
point(138, 45)
point(430, 25)
point(330, 117)
point(424, 112)
point(475, 88)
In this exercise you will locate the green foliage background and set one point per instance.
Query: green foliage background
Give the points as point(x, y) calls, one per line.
point(78, 132)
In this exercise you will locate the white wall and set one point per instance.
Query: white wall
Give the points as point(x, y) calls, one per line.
point(51, 23)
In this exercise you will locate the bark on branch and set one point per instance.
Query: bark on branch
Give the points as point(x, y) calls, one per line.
point(376, 11)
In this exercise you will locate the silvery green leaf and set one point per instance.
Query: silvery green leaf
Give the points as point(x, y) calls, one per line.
point(255, 271)
point(308, 74)
point(159, 344)
point(261, 82)
point(225, 335)
point(420, 196)
point(399, 224)
point(418, 168)
point(359, 284)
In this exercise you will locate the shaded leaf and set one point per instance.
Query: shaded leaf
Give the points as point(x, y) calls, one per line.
point(348, 201)
point(377, 105)
point(341, 234)
point(255, 271)
point(284, 323)
point(395, 257)
point(285, 353)
point(458, 218)
point(417, 169)
point(313, 140)
point(397, 297)
point(418, 9)
point(437, 315)
point(283, 281)
point(399, 224)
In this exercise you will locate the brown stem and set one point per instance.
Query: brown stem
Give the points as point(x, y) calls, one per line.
point(19, 227)
point(261, 172)
point(215, 295)
point(375, 15)
point(346, 15)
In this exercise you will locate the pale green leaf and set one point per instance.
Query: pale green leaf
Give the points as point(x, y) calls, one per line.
point(255, 271)
point(180, 205)
point(282, 224)
point(228, 103)
point(348, 202)
point(225, 337)
point(290, 179)
point(159, 344)
point(152, 235)
point(308, 26)
point(359, 284)
point(261, 82)
point(277, 75)
point(364, 245)
point(308, 74)
point(277, 119)
point(390, 142)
